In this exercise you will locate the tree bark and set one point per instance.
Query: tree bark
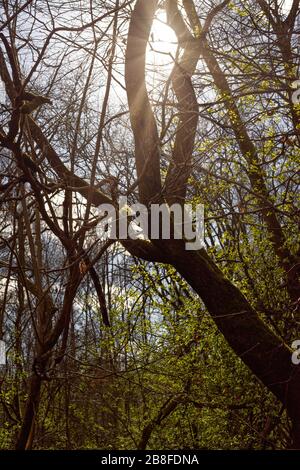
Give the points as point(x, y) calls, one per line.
point(253, 342)
point(26, 434)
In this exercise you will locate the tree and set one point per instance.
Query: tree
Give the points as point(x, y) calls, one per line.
point(35, 149)
point(259, 348)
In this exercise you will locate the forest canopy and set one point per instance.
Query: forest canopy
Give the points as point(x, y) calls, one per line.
point(138, 342)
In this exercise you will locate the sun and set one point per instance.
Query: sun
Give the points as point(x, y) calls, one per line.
point(286, 6)
point(162, 46)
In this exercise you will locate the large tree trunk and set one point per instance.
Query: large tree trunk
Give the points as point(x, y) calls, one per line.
point(258, 347)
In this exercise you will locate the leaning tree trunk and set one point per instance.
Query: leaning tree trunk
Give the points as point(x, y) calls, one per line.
point(259, 348)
